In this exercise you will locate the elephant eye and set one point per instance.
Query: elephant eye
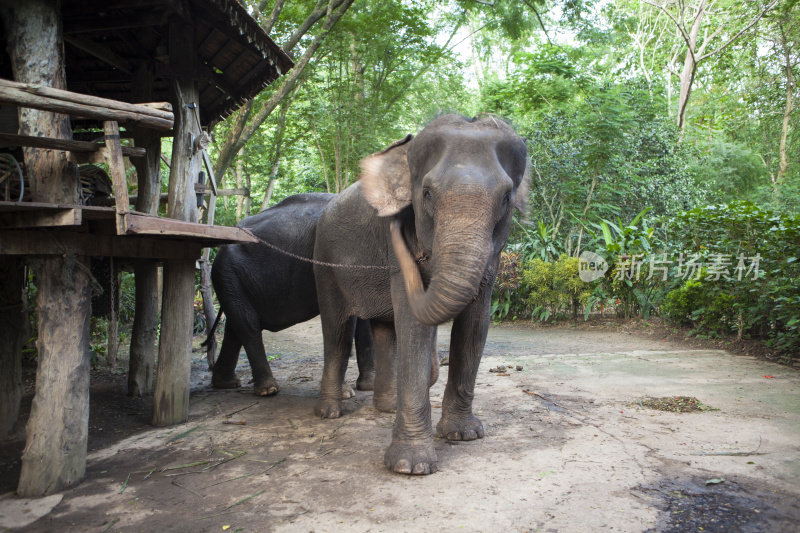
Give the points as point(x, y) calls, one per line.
point(426, 195)
point(506, 199)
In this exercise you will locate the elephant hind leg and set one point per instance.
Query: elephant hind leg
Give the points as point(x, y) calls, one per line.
point(365, 355)
point(264, 383)
point(223, 375)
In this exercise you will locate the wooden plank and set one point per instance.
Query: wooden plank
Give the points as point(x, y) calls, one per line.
point(58, 242)
point(87, 211)
point(103, 53)
point(210, 170)
point(113, 153)
point(45, 98)
point(94, 23)
point(147, 225)
point(232, 192)
point(41, 219)
point(12, 139)
point(162, 110)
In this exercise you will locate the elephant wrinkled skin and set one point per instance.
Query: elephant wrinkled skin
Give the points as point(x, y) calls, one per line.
point(260, 288)
point(436, 209)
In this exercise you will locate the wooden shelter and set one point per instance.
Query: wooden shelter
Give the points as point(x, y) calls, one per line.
point(96, 67)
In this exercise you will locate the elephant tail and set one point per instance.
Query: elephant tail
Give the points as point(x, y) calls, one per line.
point(213, 329)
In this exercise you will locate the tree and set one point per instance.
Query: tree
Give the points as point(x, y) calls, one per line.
point(700, 25)
point(246, 122)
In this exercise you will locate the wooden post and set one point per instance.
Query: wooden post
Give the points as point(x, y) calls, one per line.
point(12, 321)
point(55, 452)
point(141, 373)
point(112, 349)
point(205, 271)
point(171, 396)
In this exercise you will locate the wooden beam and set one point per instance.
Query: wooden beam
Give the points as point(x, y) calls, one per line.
point(101, 52)
point(113, 154)
point(148, 225)
point(11, 139)
point(58, 242)
point(94, 23)
point(232, 192)
point(39, 219)
point(210, 169)
point(81, 105)
point(162, 110)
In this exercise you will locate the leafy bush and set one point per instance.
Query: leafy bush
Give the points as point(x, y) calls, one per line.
point(507, 299)
point(757, 291)
point(554, 289)
point(699, 304)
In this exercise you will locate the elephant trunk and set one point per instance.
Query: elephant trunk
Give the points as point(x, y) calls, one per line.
point(455, 280)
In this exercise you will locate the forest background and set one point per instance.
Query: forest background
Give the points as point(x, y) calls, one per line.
point(662, 137)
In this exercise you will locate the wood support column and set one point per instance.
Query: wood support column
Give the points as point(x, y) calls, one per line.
point(12, 321)
point(171, 396)
point(141, 372)
point(55, 452)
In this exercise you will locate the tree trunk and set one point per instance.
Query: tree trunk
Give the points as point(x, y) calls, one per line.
point(783, 163)
point(234, 142)
point(141, 371)
point(12, 320)
point(171, 395)
point(247, 197)
point(238, 175)
point(205, 289)
point(55, 452)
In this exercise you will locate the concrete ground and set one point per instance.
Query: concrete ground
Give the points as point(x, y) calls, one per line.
point(568, 447)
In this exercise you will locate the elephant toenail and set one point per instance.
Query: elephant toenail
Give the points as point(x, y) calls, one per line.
point(421, 468)
point(403, 466)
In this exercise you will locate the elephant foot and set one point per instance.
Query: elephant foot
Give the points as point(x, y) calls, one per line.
point(267, 387)
point(466, 428)
point(411, 458)
point(385, 402)
point(220, 382)
point(347, 391)
point(366, 381)
point(328, 408)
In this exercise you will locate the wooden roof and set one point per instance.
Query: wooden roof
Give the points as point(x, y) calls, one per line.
point(107, 41)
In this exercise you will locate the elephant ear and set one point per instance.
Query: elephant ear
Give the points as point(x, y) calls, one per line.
point(523, 191)
point(386, 179)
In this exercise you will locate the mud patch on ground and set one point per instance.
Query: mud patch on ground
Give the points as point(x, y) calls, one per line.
point(731, 506)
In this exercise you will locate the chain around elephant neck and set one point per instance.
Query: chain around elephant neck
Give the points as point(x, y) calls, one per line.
point(316, 262)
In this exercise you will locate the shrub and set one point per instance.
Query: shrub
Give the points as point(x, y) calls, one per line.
point(554, 289)
point(507, 299)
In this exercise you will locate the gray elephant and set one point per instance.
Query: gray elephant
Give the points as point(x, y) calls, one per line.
point(260, 288)
point(435, 211)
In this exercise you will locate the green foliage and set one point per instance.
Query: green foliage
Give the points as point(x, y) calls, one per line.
point(758, 287)
point(507, 298)
point(554, 290)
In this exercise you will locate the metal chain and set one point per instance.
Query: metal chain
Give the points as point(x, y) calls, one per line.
point(320, 263)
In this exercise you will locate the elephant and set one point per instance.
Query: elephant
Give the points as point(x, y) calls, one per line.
point(260, 288)
point(431, 215)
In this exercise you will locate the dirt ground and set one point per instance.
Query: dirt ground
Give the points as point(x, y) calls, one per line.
point(568, 447)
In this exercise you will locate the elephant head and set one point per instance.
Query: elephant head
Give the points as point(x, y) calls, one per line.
point(461, 178)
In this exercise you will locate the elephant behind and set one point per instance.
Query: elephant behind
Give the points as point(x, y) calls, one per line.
point(260, 288)
point(435, 211)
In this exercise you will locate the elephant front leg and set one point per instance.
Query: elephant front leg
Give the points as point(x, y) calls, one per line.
point(467, 339)
point(411, 450)
point(385, 395)
point(337, 335)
